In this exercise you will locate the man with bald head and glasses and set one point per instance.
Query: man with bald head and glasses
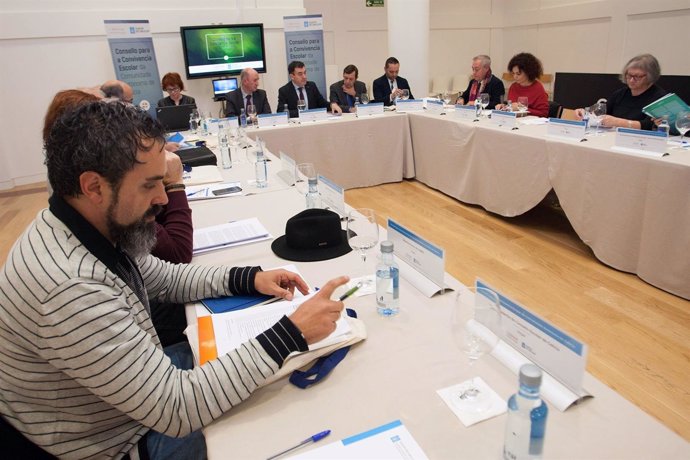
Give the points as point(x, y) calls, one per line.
point(624, 107)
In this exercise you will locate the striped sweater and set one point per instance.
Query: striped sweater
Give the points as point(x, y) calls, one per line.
point(82, 373)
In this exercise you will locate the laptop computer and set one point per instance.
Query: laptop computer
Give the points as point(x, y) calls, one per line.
point(175, 117)
point(223, 86)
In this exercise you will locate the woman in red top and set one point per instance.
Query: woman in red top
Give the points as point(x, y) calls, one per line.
point(526, 70)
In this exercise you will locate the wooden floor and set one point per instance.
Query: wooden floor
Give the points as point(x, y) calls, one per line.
point(639, 336)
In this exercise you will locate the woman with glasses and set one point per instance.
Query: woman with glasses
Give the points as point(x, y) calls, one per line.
point(172, 84)
point(526, 70)
point(624, 107)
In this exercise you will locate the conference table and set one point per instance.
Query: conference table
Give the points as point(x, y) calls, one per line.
point(632, 210)
point(394, 374)
point(352, 152)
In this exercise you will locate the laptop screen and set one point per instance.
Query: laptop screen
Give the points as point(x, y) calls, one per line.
point(224, 85)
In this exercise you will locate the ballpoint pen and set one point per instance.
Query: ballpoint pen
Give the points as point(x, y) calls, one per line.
point(315, 438)
point(351, 291)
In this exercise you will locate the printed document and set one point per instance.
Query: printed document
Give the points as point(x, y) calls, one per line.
point(230, 234)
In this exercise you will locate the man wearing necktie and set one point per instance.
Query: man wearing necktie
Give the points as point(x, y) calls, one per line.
point(247, 94)
point(300, 88)
point(389, 86)
point(483, 81)
point(346, 91)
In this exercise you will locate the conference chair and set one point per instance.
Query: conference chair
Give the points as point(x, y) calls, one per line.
point(555, 109)
point(439, 85)
point(460, 83)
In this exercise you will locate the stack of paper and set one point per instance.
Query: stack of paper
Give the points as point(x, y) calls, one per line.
point(228, 235)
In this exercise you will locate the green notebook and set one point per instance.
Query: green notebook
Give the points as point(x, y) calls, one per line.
point(669, 105)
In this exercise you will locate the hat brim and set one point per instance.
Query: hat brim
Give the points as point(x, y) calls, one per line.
point(281, 249)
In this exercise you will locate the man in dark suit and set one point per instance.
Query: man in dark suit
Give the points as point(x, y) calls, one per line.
point(247, 94)
point(299, 88)
point(389, 85)
point(344, 92)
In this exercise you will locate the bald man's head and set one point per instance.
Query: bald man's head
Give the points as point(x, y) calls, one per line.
point(119, 90)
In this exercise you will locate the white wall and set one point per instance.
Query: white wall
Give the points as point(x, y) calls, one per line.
point(46, 46)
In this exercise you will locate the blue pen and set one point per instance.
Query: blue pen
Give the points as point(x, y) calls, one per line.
point(315, 438)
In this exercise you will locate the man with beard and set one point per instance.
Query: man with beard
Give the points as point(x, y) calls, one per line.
point(81, 367)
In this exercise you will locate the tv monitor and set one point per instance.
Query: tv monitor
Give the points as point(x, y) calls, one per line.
point(222, 50)
point(224, 85)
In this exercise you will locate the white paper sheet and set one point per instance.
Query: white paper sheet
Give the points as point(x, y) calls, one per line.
point(230, 234)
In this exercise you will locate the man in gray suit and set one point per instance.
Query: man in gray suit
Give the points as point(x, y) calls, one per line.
point(247, 94)
point(344, 92)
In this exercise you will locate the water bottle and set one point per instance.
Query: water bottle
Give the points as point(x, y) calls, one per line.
point(204, 124)
point(313, 196)
point(224, 146)
point(477, 109)
point(193, 123)
point(585, 118)
point(260, 167)
point(356, 104)
point(387, 282)
point(243, 119)
point(664, 127)
point(527, 413)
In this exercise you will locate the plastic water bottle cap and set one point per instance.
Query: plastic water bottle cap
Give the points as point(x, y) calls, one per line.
point(530, 375)
point(386, 246)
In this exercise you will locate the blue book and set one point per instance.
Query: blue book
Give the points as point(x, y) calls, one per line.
point(236, 302)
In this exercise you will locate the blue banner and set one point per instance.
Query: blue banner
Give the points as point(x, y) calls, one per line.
point(134, 60)
point(304, 42)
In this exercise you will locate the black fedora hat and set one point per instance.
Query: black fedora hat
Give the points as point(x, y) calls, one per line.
point(311, 235)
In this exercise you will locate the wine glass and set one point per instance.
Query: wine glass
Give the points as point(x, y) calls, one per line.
point(522, 103)
point(362, 235)
point(483, 99)
point(404, 94)
point(301, 105)
point(475, 324)
point(304, 172)
point(597, 112)
point(682, 125)
point(251, 113)
point(364, 98)
point(446, 98)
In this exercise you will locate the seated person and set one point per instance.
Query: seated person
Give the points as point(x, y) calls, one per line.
point(389, 86)
point(172, 84)
point(247, 94)
point(344, 92)
point(174, 230)
point(299, 88)
point(483, 81)
point(526, 70)
point(624, 106)
point(84, 292)
point(117, 89)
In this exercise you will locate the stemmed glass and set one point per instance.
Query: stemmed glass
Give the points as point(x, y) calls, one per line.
point(522, 103)
point(483, 100)
point(251, 113)
point(682, 125)
point(303, 172)
point(475, 323)
point(405, 94)
point(301, 105)
point(446, 98)
point(364, 98)
point(362, 235)
point(598, 110)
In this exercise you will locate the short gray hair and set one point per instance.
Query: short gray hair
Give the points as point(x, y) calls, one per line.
point(645, 62)
point(486, 60)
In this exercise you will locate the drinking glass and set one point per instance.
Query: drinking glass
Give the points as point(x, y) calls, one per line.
point(251, 114)
point(362, 235)
point(597, 112)
point(483, 99)
point(405, 94)
point(682, 125)
point(475, 325)
point(446, 98)
point(301, 104)
point(303, 172)
point(364, 98)
point(194, 118)
point(522, 103)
